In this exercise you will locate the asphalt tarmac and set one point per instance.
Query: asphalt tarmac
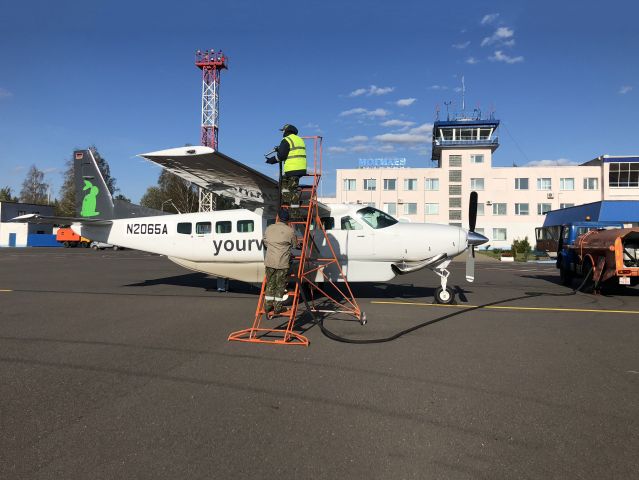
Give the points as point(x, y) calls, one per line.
point(115, 365)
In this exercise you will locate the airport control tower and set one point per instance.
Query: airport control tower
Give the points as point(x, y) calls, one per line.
point(463, 145)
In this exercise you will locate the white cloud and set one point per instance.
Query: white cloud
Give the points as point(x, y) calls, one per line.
point(405, 102)
point(421, 134)
point(500, 56)
point(472, 61)
point(355, 139)
point(352, 111)
point(51, 170)
point(625, 89)
point(360, 148)
point(437, 87)
point(560, 162)
point(4, 93)
point(397, 123)
point(313, 126)
point(372, 90)
point(461, 46)
point(378, 112)
point(357, 93)
point(489, 18)
point(501, 35)
point(386, 148)
point(337, 149)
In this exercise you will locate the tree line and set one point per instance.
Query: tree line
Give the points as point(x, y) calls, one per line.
point(171, 194)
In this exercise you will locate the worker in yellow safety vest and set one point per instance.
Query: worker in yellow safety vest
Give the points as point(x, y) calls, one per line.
point(291, 151)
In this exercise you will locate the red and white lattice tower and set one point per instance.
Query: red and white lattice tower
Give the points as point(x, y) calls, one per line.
point(211, 63)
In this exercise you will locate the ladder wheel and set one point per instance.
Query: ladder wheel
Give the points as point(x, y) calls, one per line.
point(362, 319)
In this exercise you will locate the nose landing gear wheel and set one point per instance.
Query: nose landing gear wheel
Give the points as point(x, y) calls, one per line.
point(444, 296)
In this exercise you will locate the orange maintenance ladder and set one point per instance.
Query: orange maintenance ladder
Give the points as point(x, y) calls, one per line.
point(308, 267)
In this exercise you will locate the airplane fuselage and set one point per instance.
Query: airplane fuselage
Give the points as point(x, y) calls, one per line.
point(229, 243)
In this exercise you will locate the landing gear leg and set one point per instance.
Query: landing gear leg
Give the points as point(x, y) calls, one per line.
point(443, 294)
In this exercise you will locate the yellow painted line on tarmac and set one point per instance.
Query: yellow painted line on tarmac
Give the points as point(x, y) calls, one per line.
point(498, 307)
point(1, 290)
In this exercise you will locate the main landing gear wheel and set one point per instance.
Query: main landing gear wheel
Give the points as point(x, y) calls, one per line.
point(444, 296)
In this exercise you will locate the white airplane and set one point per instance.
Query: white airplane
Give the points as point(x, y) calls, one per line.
point(371, 245)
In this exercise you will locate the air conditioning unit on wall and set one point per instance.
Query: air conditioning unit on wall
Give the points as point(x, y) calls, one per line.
point(488, 202)
point(549, 195)
point(399, 200)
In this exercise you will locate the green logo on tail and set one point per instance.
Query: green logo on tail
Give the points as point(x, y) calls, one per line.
point(90, 200)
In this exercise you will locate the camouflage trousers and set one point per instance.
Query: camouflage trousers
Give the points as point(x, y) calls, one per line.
point(290, 190)
point(275, 289)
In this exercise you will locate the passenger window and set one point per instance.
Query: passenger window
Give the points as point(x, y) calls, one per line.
point(245, 226)
point(185, 228)
point(349, 223)
point(223, 227)
point(202, 228)
point(328, 223)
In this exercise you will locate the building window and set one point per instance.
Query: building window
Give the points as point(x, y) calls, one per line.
point(544, 184)
point(566, 205)
point(370, 184)
point(499, 209)
point(454, 176)
point(369, 204)
point(454, 214)
point(623, 175)
point(454, 189)
point(431, 209)
point(521, 209)
point(455, 161)
point(499, 234)
point(521, 184)
point(350, 184)
point(222, 227)
point(480, 209)
point(203, 228)
point(542, 208)
point(566, 184)
point(410, 184)
point(476, 159)
point(390, 208)
point(454, 202)
point(591, 183)
point(390, 184)
point(431, 184)
point(185, 228)
point(245, 226)
point(410, 209)
point(476, 183)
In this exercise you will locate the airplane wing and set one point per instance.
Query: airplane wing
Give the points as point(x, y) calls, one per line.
point(221, 174)
point(49, 220)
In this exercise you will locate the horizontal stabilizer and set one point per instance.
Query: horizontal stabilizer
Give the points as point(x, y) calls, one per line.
point(49, 220)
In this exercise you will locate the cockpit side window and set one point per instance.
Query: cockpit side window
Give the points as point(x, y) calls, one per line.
point(349, 223)
point(376, 218)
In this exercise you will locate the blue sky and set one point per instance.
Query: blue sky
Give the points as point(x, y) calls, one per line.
point(563, 77)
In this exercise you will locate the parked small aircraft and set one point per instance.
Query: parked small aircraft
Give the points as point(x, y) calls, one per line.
point(371, 245)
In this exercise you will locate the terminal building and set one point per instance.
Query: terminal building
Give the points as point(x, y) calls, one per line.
point(512, 200)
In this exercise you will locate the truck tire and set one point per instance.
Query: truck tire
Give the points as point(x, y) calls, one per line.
point(66, 244)
point(116, 248)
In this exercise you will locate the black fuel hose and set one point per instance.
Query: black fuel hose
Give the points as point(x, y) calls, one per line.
point(338, 338)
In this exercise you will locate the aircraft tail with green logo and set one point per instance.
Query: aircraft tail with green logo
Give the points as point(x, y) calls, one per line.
point(93, 200)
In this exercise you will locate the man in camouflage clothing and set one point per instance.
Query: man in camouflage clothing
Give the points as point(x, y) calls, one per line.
point(279, 240)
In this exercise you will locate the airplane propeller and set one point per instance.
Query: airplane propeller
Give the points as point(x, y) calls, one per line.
point(472, 237)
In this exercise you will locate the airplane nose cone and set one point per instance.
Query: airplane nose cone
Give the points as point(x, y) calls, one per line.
point(476, 239)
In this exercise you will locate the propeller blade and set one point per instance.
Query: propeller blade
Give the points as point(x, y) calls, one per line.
point(470, 265)
point(472, 211)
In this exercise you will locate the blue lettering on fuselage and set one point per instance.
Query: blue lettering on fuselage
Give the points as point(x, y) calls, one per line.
point(236, 245)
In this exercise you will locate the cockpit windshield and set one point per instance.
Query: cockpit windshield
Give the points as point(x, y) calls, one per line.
point(376, 218)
